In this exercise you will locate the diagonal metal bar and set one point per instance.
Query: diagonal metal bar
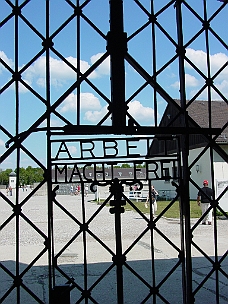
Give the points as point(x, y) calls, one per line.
point(76, 70)
point(55, 105)
point(32, 294)
point(167, 239)
point(33, 225)
point(33, 262)
point(137, 275)
point(67, 245)
point(7, 293)
point(67, 212)
point(103, 275)
point(136, 241)
point(169, 273)
point(206, 278)
point(7, 221)
point(99, 209)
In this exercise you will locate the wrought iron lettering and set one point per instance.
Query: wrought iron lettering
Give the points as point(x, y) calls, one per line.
point(106, 171)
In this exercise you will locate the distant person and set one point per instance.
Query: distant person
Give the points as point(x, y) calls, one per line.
point(71, 189)
point(86, 190)
point(204, 203)
point(136, 190)
point(154, 195)
point(10, 191)
point(79, 189)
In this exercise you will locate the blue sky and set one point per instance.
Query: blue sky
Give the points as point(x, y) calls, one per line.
point(93, 46)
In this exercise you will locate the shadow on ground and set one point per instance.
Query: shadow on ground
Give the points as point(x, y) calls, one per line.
point(101, 282)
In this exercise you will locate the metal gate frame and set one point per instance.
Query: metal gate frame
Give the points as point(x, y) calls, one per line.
point(122, 122)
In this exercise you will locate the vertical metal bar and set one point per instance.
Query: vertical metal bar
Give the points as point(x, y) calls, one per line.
point(185, 153)
point(17, 217)
point(78, 46)
point(209, 83)
point(154, 64)
point(119, 269)
point(152, 246)
point(84, 243)
point(117, 48)
point(116, 190)
point(47, 44)
point(181, 222)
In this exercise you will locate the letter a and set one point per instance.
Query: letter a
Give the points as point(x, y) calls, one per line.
point(63, 149)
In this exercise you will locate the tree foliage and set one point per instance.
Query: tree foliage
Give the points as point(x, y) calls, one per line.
point(27, 176)
point(4, 176)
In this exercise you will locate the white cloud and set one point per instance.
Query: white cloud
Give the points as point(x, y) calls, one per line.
point(141, 113)
point(176, 85)
point(61, 72)
point(72, 149)
point(54, 123)
point(222, 87)
point(22, 88)
point(136, 109)
point(199, 58)
point(7, 60)
point(95, 116)
point(104, 68)
point(190, 81)
point(2, 144)
point(88, 102)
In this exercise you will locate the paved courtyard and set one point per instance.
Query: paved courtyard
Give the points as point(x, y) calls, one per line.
point(99, 246)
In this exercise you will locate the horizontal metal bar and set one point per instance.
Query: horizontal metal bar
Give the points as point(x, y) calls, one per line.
point(135, 130)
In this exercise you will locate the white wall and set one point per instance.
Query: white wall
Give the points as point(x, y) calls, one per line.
point(204, 170)
point(220, 187)
point(12, 181)
point(220, 169)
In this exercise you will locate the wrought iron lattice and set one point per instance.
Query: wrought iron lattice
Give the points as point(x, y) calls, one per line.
point(55, 80)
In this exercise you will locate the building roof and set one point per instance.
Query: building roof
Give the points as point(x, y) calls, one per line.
point(198, 111)
point(12, 174)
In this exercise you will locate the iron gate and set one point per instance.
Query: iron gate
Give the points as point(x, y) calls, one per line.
point(117, 255)
point(33, 71)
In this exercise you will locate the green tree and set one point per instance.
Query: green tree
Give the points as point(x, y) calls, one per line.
point(4, 176)
point(30, 175)
point(125, 166)
point(141, 165)
point(22, 176)
point(34, 175)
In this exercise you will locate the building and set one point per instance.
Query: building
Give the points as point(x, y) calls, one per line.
point(12, 180)
point(200, 151)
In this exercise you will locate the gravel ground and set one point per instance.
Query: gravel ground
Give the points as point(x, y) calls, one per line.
point(165, 240)
point(102, 225)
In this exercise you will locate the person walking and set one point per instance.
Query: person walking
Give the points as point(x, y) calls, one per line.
point(10, 191)
point(154, 195)
point(204, 194)
point(86, 190)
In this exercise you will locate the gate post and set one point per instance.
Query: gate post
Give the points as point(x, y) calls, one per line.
point(185, 201)
point(117, 48)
